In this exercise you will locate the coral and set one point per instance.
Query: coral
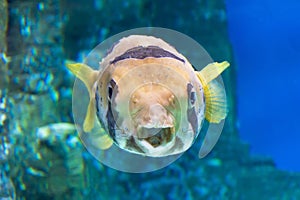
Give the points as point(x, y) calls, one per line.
point(52, 166)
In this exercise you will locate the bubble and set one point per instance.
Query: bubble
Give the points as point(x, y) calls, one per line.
point(115, 157)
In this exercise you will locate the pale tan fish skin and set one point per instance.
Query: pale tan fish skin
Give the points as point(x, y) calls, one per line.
point(166, 69)
point(106, 69)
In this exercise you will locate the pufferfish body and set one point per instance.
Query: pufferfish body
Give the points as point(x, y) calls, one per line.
point(148, 97)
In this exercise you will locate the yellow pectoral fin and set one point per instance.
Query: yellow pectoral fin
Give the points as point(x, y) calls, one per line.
point(215, 102)
point(211, 71)
point(102, 142)
point(86, 74)
point(215, 97)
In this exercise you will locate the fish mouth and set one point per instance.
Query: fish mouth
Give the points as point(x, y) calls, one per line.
point(156, 136)
point(154, 141)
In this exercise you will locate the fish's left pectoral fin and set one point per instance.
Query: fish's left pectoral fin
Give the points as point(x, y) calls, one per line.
point(214, 92)
point(215, 102)
point(211, 71)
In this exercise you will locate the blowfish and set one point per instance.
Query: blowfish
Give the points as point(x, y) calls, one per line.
point(149, 99)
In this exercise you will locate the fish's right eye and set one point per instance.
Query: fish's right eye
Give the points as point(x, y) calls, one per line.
point(110, 89)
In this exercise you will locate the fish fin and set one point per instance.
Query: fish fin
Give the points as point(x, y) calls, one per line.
point(88, 76)
point(215, 96)
point(103, 142)
point(215, 102)
point(211, 71)
point(89, 120)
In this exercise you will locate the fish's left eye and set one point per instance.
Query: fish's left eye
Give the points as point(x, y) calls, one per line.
point(193, 97)
point(191, 94)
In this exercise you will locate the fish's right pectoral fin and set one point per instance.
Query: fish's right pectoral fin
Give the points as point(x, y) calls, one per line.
point(214, 92)
point(89, 120)
point(102, 142)
point(88, 76)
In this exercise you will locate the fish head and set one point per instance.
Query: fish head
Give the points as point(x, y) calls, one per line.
point(153, 112)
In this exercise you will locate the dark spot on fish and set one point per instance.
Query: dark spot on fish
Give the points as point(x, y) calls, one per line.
point(131, 145)
point(191, 112)
point(98, 106)
point(141, 52)
point(111, 87)
point(191, 94)
point(111, 123)
point(111, 113)
point(110, 91)
point(193, 98)
point(189, 88)
point(97, 100)
point(192, 118)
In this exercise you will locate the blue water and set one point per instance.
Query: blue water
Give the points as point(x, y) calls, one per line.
point(266, 40)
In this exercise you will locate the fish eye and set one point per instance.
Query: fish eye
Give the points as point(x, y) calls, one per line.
point(110, 91)
point(193, 97)
point(191, 94)
point(110, 88)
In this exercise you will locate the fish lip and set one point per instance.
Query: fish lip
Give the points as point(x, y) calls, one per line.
point(160, 134)
point(167, 122)
point(155, 126)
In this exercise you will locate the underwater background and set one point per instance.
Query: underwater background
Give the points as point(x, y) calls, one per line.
point(41, 156)
point(265, 38)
